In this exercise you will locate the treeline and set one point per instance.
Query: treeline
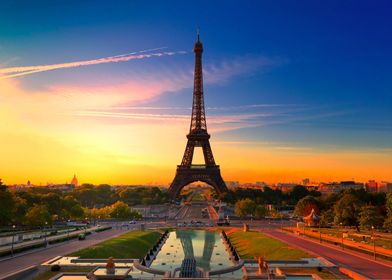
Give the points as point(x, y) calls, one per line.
point(253, 202)
point(268, 195)
point(91, 196)
point(41, 206)
point(356, 208)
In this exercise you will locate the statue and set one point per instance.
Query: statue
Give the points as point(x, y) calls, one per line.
point(110, 267)
point(260, 263)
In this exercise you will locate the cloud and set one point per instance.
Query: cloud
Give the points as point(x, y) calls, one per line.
point(11, 72)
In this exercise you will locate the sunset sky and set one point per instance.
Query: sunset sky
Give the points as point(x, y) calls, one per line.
point(103, 89)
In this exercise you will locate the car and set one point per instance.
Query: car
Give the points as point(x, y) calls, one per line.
point(81, 236)
point(133, 222)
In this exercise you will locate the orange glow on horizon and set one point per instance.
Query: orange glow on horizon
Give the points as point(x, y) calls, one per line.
point(43, 139)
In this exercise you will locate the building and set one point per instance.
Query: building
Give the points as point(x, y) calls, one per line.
point(337, 187)
point(74, 181)
point(374, 186)
point(232, 184)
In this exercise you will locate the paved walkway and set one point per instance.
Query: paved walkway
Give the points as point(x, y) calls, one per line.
point(39, 256)
point(349, 259)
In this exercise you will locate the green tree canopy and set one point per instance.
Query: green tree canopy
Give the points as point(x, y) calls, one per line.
point(245, 207)
point(7, 205)
point(260, 211)
point(388, 203)
point(347, 210)
point(120, 210)
point(38, 215)
point(305, 205)
point(370, 216)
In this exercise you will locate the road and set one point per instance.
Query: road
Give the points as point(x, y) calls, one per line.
point(7, 248)
point(353, 261)
point(39, 256)
point(190, 212)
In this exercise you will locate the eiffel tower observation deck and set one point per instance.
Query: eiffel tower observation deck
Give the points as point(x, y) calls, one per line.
point(198, 136)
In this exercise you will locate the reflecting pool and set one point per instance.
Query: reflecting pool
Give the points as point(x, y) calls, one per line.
point(206, 247)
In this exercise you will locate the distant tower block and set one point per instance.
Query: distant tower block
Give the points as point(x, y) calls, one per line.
point(74, 181)
point(198, 136)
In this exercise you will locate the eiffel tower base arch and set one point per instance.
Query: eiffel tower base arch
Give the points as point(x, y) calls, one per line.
point(188, 174)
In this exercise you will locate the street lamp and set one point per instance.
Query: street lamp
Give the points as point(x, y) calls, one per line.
point(319, 224)
point(374, 243)
point(341, 224)
point(68, 231)
point(85, 226)
point(13, 237)
point(46, 242)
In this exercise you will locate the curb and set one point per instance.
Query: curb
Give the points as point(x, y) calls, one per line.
point(348, 251)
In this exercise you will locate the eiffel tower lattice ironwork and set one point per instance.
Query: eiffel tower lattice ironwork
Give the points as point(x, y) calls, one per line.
point(198, 136)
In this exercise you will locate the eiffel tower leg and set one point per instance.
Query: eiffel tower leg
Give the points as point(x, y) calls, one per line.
point(208, 156)
point(188, 154)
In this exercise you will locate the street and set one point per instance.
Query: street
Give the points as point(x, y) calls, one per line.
point(352, 260)
point(36, 257)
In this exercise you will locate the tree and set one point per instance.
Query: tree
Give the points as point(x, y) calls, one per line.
point(245, 207)
point(369, 217)
point(38, 215)
point(305, 206)
point(260, 211)
point(76, 211)
point(20, 209)
point(327, 217)
point(7, 205)
point(104, 195)
point(388, 203)
point(298, 193)
point(347, 210)
point(120, 210)
point(388, 223)
point(52, 202)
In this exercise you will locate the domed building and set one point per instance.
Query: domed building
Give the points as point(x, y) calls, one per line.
point(74, 181)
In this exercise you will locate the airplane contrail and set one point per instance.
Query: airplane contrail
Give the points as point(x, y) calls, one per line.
point(17, 71)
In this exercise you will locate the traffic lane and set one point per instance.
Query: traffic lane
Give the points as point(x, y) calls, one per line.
point(366, 267)
point(40, 256)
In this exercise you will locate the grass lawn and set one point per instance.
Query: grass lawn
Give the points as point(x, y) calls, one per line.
point(49, 274)
point(134, 244)
point(364, 236)
point(324, 274)
point(255, 244)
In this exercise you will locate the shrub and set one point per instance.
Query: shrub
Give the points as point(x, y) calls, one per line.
point(55, 267)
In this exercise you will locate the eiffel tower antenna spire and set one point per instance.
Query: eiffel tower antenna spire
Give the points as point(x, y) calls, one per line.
point(198, 136)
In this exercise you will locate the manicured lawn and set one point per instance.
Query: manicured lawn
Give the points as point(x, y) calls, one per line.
point(133, 244)
point(255, 244)
point(324, 274)
point(49, 274)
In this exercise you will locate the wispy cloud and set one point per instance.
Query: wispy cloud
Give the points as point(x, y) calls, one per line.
point(220, 119)
point(11, 72)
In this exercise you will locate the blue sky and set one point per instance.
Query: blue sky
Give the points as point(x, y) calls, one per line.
point(298, 73)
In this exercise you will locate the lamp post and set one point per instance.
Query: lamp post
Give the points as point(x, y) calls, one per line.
point(68, 231)
point(85, 227)
point(13, 237)
point(374, 243)
point(46, 241)
point(341, 224)
point(319, 226)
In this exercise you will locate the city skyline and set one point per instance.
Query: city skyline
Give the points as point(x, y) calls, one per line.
point(109, 97)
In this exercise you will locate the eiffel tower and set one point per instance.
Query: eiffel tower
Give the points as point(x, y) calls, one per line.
point(198, 136)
